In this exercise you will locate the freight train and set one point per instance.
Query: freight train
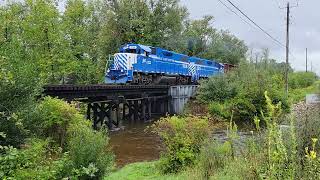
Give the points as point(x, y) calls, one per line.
point(140, 64)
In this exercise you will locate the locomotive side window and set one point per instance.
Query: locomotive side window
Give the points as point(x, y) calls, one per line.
point(199, 62)
point(166, 53)
point(209, 63)
point(153, 51)
point(133, 51)
point(184, 59)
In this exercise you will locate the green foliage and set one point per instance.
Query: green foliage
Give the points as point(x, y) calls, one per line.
point(239, 168)
point(72, 46)
point(217, 88)
point(89, 149)
point(298, 95)
point(51, 118)
point(74, 150)
point(205, 41)
point(183, 138)
point(36, 161)
point(301, 79)
point(312, 162)
point(241, 92)
point(222, 110)
point(277, 152)
point(13, 129)
point(213, 157)
point(145, 171)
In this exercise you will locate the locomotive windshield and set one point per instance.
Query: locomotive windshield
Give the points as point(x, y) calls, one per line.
point(133, 51)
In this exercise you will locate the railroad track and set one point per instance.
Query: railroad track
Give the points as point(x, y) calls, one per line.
point(104, 91)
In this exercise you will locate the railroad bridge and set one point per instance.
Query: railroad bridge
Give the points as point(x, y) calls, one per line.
point(114, 104)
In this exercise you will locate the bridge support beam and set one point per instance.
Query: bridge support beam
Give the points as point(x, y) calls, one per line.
point(180, 95)
point(113, 113)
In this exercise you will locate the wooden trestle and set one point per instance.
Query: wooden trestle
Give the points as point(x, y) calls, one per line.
point(113, 113)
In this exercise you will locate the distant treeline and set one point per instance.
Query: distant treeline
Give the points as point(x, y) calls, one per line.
point(71, 44)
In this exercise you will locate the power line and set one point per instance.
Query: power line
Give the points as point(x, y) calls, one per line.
point(264, 31)
point(235, 13)
point(268, 34)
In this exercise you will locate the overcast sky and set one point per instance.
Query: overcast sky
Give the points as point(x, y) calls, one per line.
point(305, 26)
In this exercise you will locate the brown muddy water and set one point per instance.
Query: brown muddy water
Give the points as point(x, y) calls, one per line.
point(135, 144)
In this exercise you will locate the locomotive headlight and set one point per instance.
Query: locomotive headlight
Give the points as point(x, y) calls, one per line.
point(108, 71)
point(121, 70)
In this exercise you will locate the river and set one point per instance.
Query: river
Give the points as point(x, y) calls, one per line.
point(135, 144)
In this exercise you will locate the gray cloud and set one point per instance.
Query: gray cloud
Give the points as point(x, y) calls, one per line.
point(305, 26)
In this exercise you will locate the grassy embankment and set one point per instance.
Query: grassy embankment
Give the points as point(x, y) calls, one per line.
point(297, 95)
point(143, 170)
point(149, 170)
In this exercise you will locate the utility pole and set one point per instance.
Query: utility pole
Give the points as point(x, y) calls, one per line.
point(306, 59)
point(287, 49)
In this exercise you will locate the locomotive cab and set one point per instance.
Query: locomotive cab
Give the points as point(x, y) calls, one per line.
point(121, 71)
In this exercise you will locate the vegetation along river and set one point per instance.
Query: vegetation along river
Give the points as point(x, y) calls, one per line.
point(134, 143)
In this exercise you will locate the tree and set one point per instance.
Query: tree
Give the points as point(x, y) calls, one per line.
point(153, 22)
point(166, 24)
point(81, 26)
point(227, 48)
point(198, 35)
point(203, 40)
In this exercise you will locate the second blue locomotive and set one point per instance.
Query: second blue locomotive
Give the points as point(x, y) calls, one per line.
point(140, 64)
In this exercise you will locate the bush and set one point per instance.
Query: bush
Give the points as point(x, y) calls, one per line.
point(213, 157)
point(83, 152)
point(241, 92)
point(36, 161)
point(89, 150)
point(18, 87)
point(51, 118)
point(222, 110)
point(308, 128)
point(12, 125)
point(217, 88)
point(301, 79)
point(183, 138)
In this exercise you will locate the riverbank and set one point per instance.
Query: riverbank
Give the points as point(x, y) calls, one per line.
point(144, 171)
point(149, 169)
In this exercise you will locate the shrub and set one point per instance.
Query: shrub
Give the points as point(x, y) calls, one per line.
point(308, 127)
point(12, 125)
point(217, 88)
point(89, 150)
point(183, 138)
point(312, 161)
point(213, 157)
point(51, 118)
point(242, 92)
point(301, 79)
point(37, 160)
point(222, 110)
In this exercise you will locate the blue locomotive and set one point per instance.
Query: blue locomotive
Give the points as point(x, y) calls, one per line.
point(140, 64)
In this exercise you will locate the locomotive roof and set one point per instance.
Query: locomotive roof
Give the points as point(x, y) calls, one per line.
point(148, 49)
